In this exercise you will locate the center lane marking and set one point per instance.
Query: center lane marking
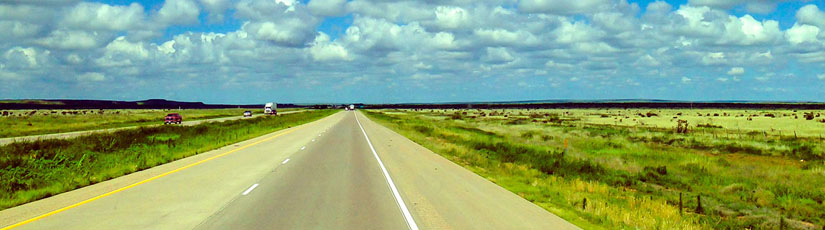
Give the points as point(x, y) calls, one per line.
point(287, 160)
point(250, 189)
point(407, 216)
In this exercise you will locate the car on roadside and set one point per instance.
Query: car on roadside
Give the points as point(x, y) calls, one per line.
point(247, 113)
point(173, 118)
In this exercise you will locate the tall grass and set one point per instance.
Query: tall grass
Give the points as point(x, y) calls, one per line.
point(38, 169)
point(632, 177)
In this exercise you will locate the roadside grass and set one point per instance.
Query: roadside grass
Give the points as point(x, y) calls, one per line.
point(39, 169)
point(35, 122)
point(632, 177)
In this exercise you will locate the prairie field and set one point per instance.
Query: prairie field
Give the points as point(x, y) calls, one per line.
point(640, 168)
point(16, 123)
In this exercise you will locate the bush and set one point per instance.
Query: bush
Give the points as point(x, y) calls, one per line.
point(809, 116)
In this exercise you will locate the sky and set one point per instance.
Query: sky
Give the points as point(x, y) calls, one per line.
point(378, 51)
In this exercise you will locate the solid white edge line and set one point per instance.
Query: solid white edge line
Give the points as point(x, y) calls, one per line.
point(250, 189)
point(287, 160)
point(398, 200)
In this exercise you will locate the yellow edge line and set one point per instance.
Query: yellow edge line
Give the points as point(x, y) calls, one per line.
point(143, 181)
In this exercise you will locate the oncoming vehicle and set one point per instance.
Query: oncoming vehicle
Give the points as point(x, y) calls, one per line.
point(173, 118)
point(247, 113)
point(271, 108)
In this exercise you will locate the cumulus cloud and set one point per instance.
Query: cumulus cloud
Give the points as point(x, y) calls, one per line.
point(216, 9)
point(178, 12)
point(101, 16)
point(811, 15)
point(327, 7)
point(736, 71)
point(754, 6)
point(284, 22)
point(91, 76)
point(802, 34)
point(324, 50)
point(72, 39)
point(561, 6)
point(498, 55)
point(821, 76)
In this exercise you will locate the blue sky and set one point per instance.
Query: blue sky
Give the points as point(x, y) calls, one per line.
point(252, 51)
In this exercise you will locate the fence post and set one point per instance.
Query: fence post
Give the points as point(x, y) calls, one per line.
point(699, 208)
point(584, 204)
point(680, 203)
point(781, 222)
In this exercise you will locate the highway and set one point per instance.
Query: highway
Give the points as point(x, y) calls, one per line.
point(5, 141)
point(341, 172)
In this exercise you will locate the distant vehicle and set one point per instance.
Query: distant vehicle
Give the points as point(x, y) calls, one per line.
point(247, 113)
point(351, 107)
point(271, 108)
point(173, 118)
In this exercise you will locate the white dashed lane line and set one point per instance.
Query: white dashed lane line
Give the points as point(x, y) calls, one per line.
point(250, 189)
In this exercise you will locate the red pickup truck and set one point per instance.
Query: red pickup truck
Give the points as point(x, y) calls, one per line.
point(173, 118)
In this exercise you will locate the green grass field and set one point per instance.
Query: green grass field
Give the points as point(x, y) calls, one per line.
point(34, 170)
point(33, 122)
point(632, 174)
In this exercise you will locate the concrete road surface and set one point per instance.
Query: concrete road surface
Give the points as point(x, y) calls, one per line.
point(4, 141)
point(322, 175)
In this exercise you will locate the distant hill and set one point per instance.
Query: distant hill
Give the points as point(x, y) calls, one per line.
point(106, 104)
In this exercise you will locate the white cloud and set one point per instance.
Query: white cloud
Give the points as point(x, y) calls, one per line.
point(88, 15)
point(821, 76)
point(288, 32)
point(327, 7)
point(72, 39)
point(736, 71)
point(22, 56)
point(506, 37)
point(802, 34)
point(91, 76)
point(722, 79)
point(216, 8)
point(686, 80)
point(498, 55)
point(754, 6)
point(811, 15)
point(563, 7)
point(178, 12)
point(121, 52)
point(324, 50)
point(448, 17)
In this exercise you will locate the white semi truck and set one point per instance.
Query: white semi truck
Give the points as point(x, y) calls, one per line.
point(271, 108)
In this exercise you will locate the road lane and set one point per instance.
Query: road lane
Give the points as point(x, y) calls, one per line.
point(335, 183)
point(289, 181)
point(66, 135)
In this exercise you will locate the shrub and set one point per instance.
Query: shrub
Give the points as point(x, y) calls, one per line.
point(709, 125)
point(809, 116)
